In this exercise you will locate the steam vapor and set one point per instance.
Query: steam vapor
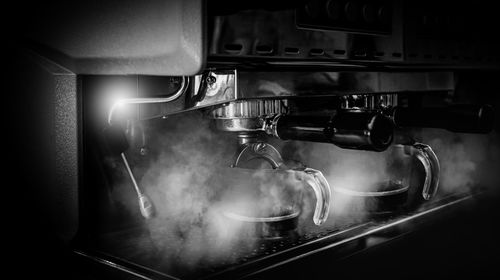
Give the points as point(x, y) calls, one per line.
point(191, 187)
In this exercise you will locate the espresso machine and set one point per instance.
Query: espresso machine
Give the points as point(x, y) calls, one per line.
point(295, 139)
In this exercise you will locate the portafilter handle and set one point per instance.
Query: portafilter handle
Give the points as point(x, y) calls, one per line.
point(349, 129)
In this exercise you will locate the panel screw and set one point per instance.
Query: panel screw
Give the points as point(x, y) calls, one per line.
point(211, 80)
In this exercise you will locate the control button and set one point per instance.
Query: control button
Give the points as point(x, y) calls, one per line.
point(351, 11)
point(333, 9)
point(369, 13)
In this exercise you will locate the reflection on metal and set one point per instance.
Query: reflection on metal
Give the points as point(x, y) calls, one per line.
point(250, 109)
point(259, 150)
point(370, 101)
point(247, 115)
point(221, 86)
point(148, 100)
point(114, 265)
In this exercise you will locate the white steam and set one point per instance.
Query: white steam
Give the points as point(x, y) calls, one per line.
point(191, 187)
point(468, 161)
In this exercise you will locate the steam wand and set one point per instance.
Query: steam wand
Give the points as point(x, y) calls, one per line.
point(118, 144)
point(145, 205)
point(116, 135)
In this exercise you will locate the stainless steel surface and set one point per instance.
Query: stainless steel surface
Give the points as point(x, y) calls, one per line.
point(250, 109)
point(332, 34)
point(222, 86)
point(117, 37)
point(239, 124)
point(114, 265)
point(247, 115)
point(337, 240)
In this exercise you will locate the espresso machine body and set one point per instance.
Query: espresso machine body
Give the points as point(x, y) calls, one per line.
point(225, 139)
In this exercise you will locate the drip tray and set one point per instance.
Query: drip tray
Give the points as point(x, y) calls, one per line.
point(134, 251)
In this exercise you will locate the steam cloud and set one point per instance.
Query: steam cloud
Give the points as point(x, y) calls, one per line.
point(188, 226)
point(467, 161)
point(191, 187)
point(184, 178)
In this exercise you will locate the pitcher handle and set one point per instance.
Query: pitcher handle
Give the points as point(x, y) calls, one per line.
point(431, 165)
point(322, 191)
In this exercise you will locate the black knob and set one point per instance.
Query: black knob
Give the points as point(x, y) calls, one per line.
point(333, 9)
point(369, 13)
point(313, 8)
point(351, 10)
point(384, 15)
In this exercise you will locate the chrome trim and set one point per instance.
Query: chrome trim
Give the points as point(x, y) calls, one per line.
point(121, 267)
point(260, 219)
point(370, 194)
point(149, 100)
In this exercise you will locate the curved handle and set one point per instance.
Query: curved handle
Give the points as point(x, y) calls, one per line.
point(322, 190)
point(260, 150)
point(431, 165)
